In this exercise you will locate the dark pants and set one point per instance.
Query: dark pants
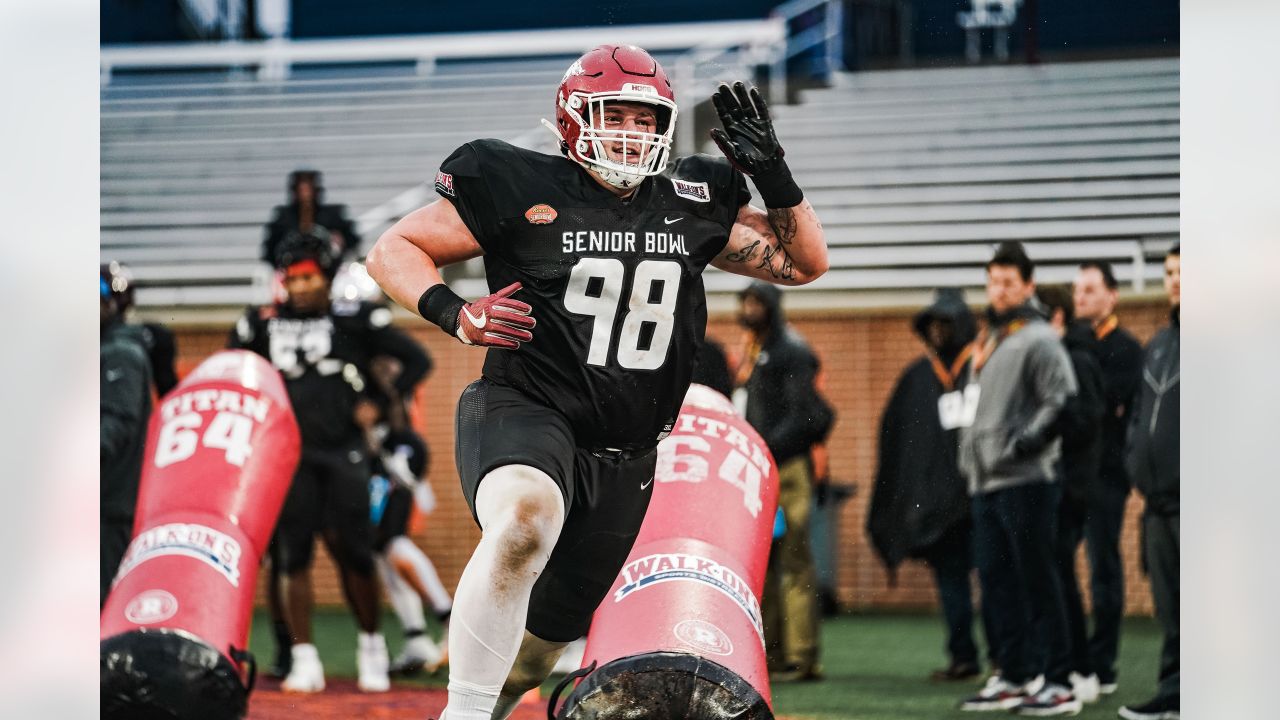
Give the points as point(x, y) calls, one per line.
point(1015, 533)
point(951, 559)
point(1106, 576)
point(113, 538)
point(1071, 520)
point(1162, 543)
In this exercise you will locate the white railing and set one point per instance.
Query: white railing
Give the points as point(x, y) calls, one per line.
point(714, 52)
point(274, 58)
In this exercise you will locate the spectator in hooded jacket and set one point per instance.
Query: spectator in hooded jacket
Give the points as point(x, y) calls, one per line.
point(1095, 295)
point(1009, 455)
point(920, 507)
point(775, 393)
point(1152, 458)
point(1081, 454)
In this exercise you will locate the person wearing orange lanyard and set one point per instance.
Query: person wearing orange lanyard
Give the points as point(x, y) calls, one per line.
point(1019, 383)
point(920, 506)
point(1095, 294)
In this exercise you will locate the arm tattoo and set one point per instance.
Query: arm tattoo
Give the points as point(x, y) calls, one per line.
point(787, 271)
point(784, 224)
point(745, 254)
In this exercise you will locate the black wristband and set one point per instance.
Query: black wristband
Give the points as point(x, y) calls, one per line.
point(777, 188)
point(440, 305)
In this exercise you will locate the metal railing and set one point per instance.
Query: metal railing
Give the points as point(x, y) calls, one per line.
point(829, 34)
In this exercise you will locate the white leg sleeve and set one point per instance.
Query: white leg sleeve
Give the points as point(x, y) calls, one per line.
point(404, 600)
point(402, 549)
point(521, 512)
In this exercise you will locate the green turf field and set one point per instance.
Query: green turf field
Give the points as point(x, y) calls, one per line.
point(876, 667)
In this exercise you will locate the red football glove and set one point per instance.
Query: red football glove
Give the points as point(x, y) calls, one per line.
point(496, 320)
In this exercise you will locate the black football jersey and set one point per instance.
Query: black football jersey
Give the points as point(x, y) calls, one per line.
point(324, 360)
point(615, 285)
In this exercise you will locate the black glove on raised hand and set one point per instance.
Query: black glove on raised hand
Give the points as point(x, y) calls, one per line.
point(750, 143)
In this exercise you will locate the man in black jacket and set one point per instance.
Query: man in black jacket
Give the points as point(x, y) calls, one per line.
point(1081, 455)
point(775, 393)
point(920, 505)
point(124, 409)
point(1096, 292)
point(305, 212)
point(156, 339)
point(1152, 459)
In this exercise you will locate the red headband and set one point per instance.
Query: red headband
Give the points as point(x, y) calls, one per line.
point(302, 267)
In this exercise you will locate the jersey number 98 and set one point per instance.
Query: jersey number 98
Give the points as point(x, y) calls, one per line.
point(595, 289)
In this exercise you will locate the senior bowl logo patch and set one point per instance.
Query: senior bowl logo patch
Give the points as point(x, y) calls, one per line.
point(696, 191)
point(444, 183)
point(541, 214)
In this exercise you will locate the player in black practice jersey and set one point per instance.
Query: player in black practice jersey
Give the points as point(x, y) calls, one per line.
point(323, 350)
point(605, 248)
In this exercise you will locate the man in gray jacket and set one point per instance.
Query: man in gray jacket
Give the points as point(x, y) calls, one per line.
point(1019, 382)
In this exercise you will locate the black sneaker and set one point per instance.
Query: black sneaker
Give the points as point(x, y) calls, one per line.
point(1165, 708)
point(1052, 700)
point(955, 672)
point(997, 694)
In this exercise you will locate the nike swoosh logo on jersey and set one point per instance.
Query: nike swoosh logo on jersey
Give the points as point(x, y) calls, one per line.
point(477, 321)
point(645, 485)
point(669, 221)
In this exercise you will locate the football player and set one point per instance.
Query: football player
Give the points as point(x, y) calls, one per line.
point(323, 349)
point(604, 248)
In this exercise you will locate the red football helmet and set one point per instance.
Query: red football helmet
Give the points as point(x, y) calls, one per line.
point(609, 74)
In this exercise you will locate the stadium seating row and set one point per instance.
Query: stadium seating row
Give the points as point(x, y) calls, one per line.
point(914, 172)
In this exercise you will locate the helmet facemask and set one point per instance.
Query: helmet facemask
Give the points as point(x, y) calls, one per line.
point(643, 153)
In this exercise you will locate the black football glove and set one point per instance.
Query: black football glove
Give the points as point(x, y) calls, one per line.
point(750, 143)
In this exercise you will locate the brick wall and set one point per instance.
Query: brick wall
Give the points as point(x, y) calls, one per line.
point(862, 351)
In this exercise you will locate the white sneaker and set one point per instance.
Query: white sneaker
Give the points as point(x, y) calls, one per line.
point(1050, 701)
point(372, 662)
point(307, 674)
point(997, 694)
point(419, 652)
point(1085, 688)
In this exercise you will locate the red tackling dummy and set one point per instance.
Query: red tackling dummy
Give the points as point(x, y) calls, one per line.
point(221, 450)
point(680, 635)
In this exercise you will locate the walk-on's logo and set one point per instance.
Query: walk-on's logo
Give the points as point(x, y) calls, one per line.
point(444, 183)
point(668, 567)
point(211, 547)
point(696, 191)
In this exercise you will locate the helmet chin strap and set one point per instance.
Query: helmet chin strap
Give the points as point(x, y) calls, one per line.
point(616, 178)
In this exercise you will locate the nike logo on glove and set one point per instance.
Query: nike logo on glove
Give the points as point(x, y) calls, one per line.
point(477, 321)
point(670, 221)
